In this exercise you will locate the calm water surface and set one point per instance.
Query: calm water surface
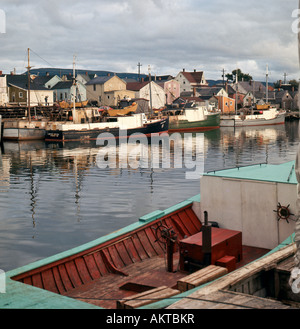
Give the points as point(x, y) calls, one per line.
point(54, 198)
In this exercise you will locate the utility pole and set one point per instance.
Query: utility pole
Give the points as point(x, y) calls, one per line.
point(236, 92)
point(267, 85)
point(139, 70)
point(28, 97)
point(223, 76)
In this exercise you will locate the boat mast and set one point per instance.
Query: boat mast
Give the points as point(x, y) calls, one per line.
point(74, 89)
point(149, 70)
point(236, 91)
point(28, 70)
point(267, 87)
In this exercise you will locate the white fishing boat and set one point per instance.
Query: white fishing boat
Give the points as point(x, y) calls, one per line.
point(258, 117)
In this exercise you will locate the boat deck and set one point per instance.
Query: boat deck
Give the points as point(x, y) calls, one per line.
point(149, 274)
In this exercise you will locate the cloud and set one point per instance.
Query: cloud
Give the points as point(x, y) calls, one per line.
point(169, 35)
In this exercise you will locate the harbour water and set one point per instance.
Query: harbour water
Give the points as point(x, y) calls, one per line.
point(54, 198)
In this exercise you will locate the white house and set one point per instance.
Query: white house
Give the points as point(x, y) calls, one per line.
point(3, 90)
point(150, 91)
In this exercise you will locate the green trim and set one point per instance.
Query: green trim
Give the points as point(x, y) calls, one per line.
point(280, 173)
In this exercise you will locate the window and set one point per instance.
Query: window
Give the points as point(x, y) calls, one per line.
point(94, 87)
point(20, 94)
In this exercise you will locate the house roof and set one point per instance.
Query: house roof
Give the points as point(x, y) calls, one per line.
point(209, 91)
point(99, 80)
point(136, 86)
point(21, 81)
point(63, 85)
point(42, 80)
point(193, 77)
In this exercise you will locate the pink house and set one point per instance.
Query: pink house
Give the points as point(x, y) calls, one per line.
point(171, 88)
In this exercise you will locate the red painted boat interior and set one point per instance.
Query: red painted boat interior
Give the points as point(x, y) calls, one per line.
point(128, 264)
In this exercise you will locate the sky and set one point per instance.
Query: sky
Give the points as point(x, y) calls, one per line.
point(167, 35)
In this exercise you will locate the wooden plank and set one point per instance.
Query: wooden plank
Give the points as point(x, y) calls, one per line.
point(73, 274)
point(150, 251)
point(82, 270)
point(114, 256)
point(200, 277)
point(58, 281)
point(132, 252)
point(100, 263)
point(37, 281)
point(92, 267)
point(146, 297)
point(48, 281)
point(194, 219)
point(155, 245)
point(139, 247)
point(123, 253)
point(65, 278)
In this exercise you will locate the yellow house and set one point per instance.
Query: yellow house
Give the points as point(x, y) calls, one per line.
point(107, 90)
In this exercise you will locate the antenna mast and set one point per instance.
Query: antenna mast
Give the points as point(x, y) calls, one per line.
point(28, 97)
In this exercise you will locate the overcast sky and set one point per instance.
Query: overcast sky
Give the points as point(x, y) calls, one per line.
point(168, 35)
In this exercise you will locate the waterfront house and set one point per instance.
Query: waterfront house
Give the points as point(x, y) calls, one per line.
point(145, 89)
point(18, 91)
point(190, 80)
point(171, 88)
point(107, 90)
point(295, 106)
point(285, 100)
point(226, 104)
point(3, 90)
point(63, 91)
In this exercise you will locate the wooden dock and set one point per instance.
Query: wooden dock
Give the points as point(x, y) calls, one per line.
point(263, 284)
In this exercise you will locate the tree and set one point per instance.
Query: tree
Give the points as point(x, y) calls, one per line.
point(240, 74)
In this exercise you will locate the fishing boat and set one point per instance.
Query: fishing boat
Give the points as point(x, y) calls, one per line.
point(193, 118)
point(168, 254)
point(260, 116)
point(24, 129)
point(118, 126)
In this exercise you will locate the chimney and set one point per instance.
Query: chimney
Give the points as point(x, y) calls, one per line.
point(206, 240)
point(183, 70)
point(194, 70)
point(1, 72)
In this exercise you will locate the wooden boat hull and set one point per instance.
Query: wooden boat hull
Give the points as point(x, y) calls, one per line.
point(210, 123)
point(158, 126)
point(121, 266)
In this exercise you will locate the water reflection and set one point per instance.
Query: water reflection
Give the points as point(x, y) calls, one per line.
point(55, 197)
